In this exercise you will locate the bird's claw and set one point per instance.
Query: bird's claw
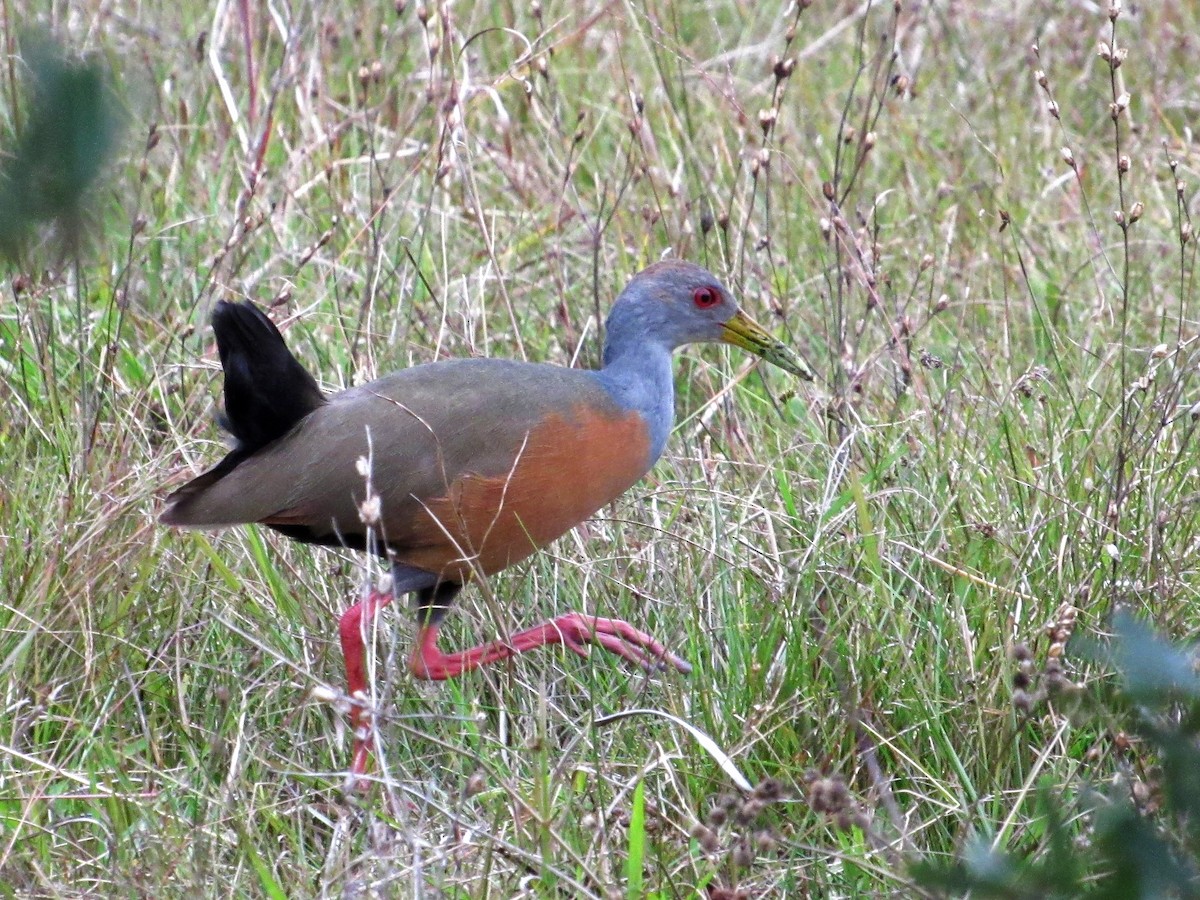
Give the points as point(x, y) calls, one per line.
point(618, 637)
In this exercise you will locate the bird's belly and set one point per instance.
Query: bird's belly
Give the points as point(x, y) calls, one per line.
point(566, 469)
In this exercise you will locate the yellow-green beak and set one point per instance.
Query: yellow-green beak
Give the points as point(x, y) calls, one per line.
point(744, 332)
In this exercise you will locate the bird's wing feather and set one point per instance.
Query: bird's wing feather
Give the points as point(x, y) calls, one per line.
point(471, 459)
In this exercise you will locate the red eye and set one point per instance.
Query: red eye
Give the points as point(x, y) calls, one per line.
point(706, 297)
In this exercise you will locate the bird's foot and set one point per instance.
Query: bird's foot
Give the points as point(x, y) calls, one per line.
point(616, 636)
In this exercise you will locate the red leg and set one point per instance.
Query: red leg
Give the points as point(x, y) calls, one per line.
point(574, 631)
point(352, 629)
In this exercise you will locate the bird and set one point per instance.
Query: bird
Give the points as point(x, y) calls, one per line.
point(456, 469)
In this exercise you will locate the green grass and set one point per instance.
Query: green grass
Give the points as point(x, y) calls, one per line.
point(1004, 425)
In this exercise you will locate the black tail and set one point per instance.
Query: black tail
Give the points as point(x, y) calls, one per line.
point(267, 391)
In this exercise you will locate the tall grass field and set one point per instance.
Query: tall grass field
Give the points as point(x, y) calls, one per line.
point(973, 219)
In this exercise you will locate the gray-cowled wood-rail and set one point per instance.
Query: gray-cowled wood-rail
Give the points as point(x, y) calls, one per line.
point(473, 463)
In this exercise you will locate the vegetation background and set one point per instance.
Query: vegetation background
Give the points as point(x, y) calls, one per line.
point(972, 218)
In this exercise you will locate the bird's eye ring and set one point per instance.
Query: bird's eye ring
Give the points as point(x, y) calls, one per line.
point(706, 297)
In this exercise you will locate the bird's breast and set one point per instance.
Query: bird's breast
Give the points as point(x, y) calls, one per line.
point(565, 467)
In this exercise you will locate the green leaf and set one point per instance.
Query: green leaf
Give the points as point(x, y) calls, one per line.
point(637, 843)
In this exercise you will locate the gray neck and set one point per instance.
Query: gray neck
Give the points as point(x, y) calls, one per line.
point(638, 375)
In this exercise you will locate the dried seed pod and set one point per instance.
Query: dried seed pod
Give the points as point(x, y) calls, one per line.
point(705, 837)
point(749, 811)
point(766, 119)
point(769, 790)
point(1022, 702)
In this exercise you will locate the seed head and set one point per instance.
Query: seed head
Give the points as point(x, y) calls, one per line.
point(705, 837)
point(476, 784)
point(1119, 106)
point(845, 819)
point(1135, 211)
point(1068, 156)
point(768, 790)
point(369, 510)
point(1122, 164)
point(742, 855)
point(749, 811)
point(1022, 701)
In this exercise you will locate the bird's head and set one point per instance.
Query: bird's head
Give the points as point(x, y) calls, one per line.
point(676, 302)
